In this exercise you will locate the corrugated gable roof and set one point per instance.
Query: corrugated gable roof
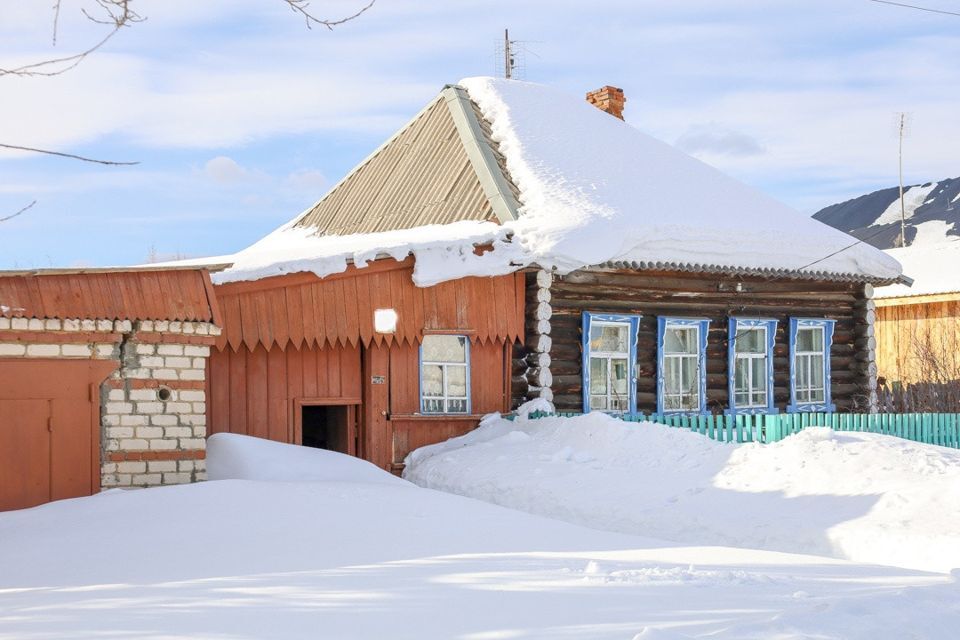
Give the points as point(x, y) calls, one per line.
point(433, 171)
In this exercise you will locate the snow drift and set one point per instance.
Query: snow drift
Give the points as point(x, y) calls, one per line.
point(864, 497)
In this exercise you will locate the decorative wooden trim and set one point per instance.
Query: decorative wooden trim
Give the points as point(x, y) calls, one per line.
point(434, 417)
point(305, 277)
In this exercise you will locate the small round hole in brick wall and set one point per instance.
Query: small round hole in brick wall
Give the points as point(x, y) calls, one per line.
point(164, 393)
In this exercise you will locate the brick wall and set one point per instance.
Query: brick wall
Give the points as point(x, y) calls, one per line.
point(152, 408)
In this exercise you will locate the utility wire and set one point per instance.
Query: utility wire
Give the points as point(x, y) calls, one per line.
point(913, 6)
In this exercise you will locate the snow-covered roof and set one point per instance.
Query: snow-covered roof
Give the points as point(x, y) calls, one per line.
point(934, 267)
point(592, 190)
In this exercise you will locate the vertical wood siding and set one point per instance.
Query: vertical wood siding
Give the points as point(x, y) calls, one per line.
point(653, 294)
point(905, 331)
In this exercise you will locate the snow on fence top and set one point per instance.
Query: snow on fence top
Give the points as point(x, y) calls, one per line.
point(593, 191)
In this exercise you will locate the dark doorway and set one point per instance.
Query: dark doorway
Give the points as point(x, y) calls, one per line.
point(327, 427)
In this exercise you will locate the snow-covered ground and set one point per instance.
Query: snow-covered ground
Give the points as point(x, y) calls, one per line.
point(322, 546)
point(859, 496)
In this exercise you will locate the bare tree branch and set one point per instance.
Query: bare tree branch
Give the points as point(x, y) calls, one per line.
point(65, 155)
point(12, 216)
point(116, 13)
point(303, 8)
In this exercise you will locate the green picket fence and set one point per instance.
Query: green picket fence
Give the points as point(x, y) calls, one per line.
point(931, 428)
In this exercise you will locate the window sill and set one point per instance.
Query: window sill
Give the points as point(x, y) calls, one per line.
point(427, 417)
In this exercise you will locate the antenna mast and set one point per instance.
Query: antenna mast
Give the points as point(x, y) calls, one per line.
point(507, 55)
point(903, 216)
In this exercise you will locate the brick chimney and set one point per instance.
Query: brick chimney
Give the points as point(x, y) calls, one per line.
point(609, 99)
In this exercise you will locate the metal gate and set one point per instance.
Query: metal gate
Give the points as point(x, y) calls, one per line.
point(49, 429)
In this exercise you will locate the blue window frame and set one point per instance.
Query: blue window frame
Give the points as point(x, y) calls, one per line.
point(610, 362)
point(750, 365)
point(810, 340)
point(681, 365)
point(445, 374)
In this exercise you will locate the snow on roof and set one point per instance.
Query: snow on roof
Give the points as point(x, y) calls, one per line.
point(935, 268)
point(593, 191)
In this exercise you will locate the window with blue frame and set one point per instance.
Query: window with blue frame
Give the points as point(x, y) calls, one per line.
point(810, 340)
point(681, 365)
point(609, 362)
point(750, 354)
point(445, 374)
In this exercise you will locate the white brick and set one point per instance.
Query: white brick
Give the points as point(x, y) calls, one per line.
point(188, 327)
point(149, 432)
point(118, 395)
point(133, 421)
point(43, 350)
point(193, 374)
point(88, 325)
point(35, 324)
point(200, 465)
point(176, 326)
point(136, 444)
point(109, 480)
point(178, 432)
point(186, 465)
point(12, 349)
point(108, 467)
point(159, 444)
point(119, 407)
point(71, 325)
point(110, 421)
point(151, 361)
point(154, 466)
point(199, 407)
point(112, 445)
point(146, 325)
point(77, 351)
point(149, 407)
point(192, 443)
point(105, 350)
point(52, 324)
point(131, 466)
point(200, 432)
point(176, 478)
point(146, 349)
point(170, 349)
point(19, 324)
point(203, 329)
point(178, 407)
point(194, 419)
point(143, 394)
point(191, 395)
point(137, 374)
point(123, 326)
point(119, 432)
point(4, 323)
point(147, 479)
point(166, 374)
point(215, 330)
point(200, 476)
point(164, 420)
point(199, 363)
point(104, 325)
point(177, 362)
point(124, 479)
point(161, 325)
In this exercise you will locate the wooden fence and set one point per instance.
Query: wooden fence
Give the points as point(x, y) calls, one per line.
point(930, 428)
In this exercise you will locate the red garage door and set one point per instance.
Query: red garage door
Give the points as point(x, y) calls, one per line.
point(49, 430)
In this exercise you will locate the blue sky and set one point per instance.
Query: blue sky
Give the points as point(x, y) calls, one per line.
point(241, 117)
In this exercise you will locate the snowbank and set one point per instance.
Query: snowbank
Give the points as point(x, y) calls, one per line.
point(235, 457)
point(863, 497)
point(593, 189)
point(236, 559)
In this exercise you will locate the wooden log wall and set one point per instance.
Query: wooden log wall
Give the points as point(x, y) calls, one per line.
point(653, 294)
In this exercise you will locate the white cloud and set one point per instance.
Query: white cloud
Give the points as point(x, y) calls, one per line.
point(224, 170)
point(714, 139)
point(308, 180)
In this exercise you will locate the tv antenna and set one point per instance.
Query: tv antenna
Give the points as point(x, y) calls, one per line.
point(902, 123)
point(510, 57)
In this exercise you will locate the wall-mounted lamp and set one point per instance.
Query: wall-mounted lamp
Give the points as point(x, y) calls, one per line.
point(385, 321)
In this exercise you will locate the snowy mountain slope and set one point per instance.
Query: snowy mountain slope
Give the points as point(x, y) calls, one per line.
point(358, 558)
point(928, 208)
